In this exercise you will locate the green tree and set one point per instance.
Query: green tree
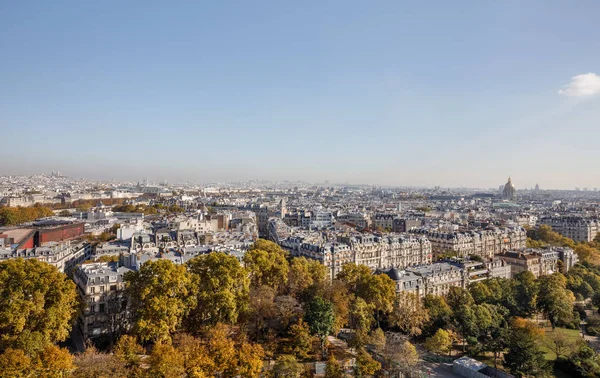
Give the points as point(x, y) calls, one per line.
point(526, 292)
point(320, 318)
point(523, 357)
point(440, 314)
point(37, 305)
point(267, 266)
point(222, 289)
point(440, 342)
point(162, 295)
point(554, 299)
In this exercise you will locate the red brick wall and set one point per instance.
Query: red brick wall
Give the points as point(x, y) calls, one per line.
point(60, 233)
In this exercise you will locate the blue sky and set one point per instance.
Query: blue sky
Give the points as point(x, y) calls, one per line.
point(450, 93)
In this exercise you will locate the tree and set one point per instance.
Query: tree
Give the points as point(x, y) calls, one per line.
point(262, 307)
point(222, 350)
point(440, 314)
point(268, 266)
point(14, 363)
point(300, 340)
point(464, 319)
point(554, 300)
point(128, 350)
point(162, 295)
point(440, 342)
point(92, 364)
point(320, 318)
point(287, 366)
point(409, 314)
point(560, 343)
point(165, 362)
point(361, 320)
point(337, 293)
point(196, 361)
point(523, 357)
point(333, 368)
point(365, 364)
point(305, 274)
point(54, 362)
point(526, 292)
point(65, 213)
point(222, 289)
point(377, 339)
point(249, 360)
point(401, 355)
point(37, 305)
point(287, 309)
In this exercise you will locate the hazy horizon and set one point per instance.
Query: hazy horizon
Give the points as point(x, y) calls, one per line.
point(460, 94)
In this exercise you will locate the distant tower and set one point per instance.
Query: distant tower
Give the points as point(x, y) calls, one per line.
point(537, 187)
point(509, 190)
point(282, 208)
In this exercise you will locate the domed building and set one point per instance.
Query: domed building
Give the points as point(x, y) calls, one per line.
point(509, 191)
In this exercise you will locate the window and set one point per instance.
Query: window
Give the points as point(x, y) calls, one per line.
point(101, 307)
point(113, 287)
point(102, 289)
point(92, 290)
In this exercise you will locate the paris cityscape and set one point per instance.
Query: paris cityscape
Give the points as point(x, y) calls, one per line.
point(323, 189)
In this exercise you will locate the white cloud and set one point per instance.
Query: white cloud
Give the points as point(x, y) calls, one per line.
point(582, 85)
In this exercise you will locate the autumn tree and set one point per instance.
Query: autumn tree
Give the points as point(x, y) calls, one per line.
point(300, 341)
point(361, 320)
point(165, 361)
point(401, 355)
point(196, 361)
point(14, 363)
point(262, 307)
point(266, 262)
point(222, 289)
point(409, 314)
point(54, 362)
point(339, 295)
point(440, 342)
point(162, 295)
point(37, 305)
point(306, 274)
point(365, 364)
point(287, 366)
point(128, 350)
point(333, 369)
point(93, 364)
point(320, 318)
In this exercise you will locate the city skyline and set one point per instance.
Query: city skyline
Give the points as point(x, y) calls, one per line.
point(459, 95)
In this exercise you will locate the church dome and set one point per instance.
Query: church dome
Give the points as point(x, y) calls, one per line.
point(509, 189)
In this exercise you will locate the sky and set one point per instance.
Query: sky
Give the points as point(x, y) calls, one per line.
point(448, 93)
